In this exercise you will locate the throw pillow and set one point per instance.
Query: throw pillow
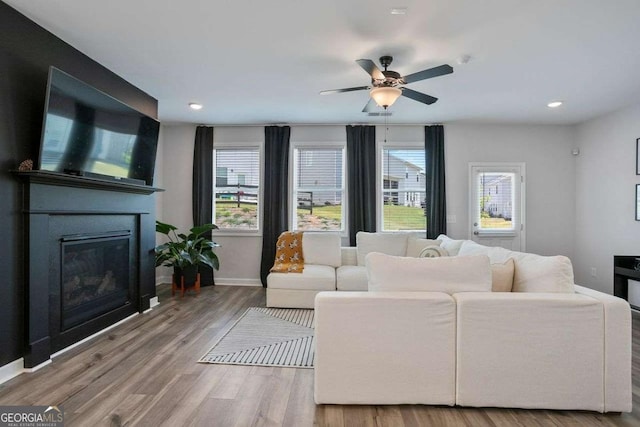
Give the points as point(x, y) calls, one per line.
point(502, 276)
point(536, 273)
point(433, 251)
point(415, 245)
point(452, 246)
point(289, 257)
point(445, 274)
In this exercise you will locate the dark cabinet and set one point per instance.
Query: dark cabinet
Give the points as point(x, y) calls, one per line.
point(625, 268)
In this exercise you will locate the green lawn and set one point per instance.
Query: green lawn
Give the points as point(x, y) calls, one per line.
point(489, 223)
point(395, 217)
point(228, 215)
point(403, 218)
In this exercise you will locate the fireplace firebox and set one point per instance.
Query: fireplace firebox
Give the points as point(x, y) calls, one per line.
point(95, 276)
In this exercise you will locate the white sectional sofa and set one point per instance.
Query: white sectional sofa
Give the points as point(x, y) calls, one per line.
point(428, 333)
point(330, 267)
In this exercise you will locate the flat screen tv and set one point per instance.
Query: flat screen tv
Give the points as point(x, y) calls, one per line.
point(88, 132)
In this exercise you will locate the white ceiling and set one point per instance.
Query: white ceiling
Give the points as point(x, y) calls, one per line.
point(257, 62)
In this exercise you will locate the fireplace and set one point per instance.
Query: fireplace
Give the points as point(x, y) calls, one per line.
point(96, 276)
point(90, 259)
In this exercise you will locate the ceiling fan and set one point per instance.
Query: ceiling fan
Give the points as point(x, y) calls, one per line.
point(387, 86)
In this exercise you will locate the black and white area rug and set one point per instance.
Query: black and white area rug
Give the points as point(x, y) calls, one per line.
point(267, 337)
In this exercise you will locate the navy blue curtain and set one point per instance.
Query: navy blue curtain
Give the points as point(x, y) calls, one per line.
point(276, 193)
point(361, 167)
point(202, 189)
point(436, 199)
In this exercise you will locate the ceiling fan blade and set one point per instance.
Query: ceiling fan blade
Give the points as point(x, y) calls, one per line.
point(418, 96)
point(370, 106)
point(348, 89)
point(370, 67)
point(427, 74)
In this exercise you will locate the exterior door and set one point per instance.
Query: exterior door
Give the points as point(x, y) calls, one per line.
point(496, 206)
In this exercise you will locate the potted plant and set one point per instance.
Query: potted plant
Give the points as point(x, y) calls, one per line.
point(185, 252)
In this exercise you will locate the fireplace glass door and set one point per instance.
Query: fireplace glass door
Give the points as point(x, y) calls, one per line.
point(95, 276)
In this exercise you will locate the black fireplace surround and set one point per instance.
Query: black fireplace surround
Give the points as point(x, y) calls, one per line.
point(90, 260)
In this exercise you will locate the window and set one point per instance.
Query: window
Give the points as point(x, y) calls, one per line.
point(403, 189)
point(318, 189)
point(236, 188)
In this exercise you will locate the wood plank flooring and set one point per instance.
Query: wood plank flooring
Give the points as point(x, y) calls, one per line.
point(144, 373)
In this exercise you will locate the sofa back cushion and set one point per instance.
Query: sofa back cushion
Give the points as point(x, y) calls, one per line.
point(445, 274)
point(415, 245)
point(532, 273)
point(321, 248)
point(386, 243)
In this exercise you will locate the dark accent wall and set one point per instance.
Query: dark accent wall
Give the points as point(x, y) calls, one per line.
point(26, 52)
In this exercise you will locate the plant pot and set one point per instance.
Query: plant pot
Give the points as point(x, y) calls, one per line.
point(190, 274)
point(185, 278)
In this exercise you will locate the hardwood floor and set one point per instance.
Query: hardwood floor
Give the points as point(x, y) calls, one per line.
point(144, 373)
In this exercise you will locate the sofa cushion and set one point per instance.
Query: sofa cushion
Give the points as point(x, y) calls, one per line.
point(502, 276)
point(351, 278)
point(314, 277)
point(415, 245)
point(452, 246)
point(386, 243)
point(321, 248)
point(530, 351)
point(445, 274)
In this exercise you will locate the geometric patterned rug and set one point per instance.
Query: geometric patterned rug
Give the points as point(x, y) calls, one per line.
point(267, 337)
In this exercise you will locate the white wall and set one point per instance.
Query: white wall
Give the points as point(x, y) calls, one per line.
point(177, 166)
point(550, 178)
point(605, 196)
point(546, 150)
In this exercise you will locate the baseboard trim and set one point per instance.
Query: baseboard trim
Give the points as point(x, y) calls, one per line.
point(37, 367)
point(11, 370)
point(237, 282)
point(74, 345)
point(153, 302)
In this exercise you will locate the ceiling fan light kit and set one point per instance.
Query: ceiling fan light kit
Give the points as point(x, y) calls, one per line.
point(387, 86)
point(385, 96)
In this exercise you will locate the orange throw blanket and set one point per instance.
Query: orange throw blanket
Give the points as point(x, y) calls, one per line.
point(289, 258)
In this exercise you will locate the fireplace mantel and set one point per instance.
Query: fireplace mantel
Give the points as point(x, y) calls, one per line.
point(57, 205)
point(66, 180)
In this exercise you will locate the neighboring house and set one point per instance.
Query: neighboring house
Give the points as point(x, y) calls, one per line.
point(319, 176)
point(234, 176)
point(497, 196)
point(406, 177)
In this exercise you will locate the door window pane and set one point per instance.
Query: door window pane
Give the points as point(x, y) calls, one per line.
point(495, 192)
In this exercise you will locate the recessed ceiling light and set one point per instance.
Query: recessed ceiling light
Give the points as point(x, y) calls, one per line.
point(398, 10)
point(554, 104)
point(195, 106)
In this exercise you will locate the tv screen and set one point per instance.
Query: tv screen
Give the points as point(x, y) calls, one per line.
point(87, 131)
